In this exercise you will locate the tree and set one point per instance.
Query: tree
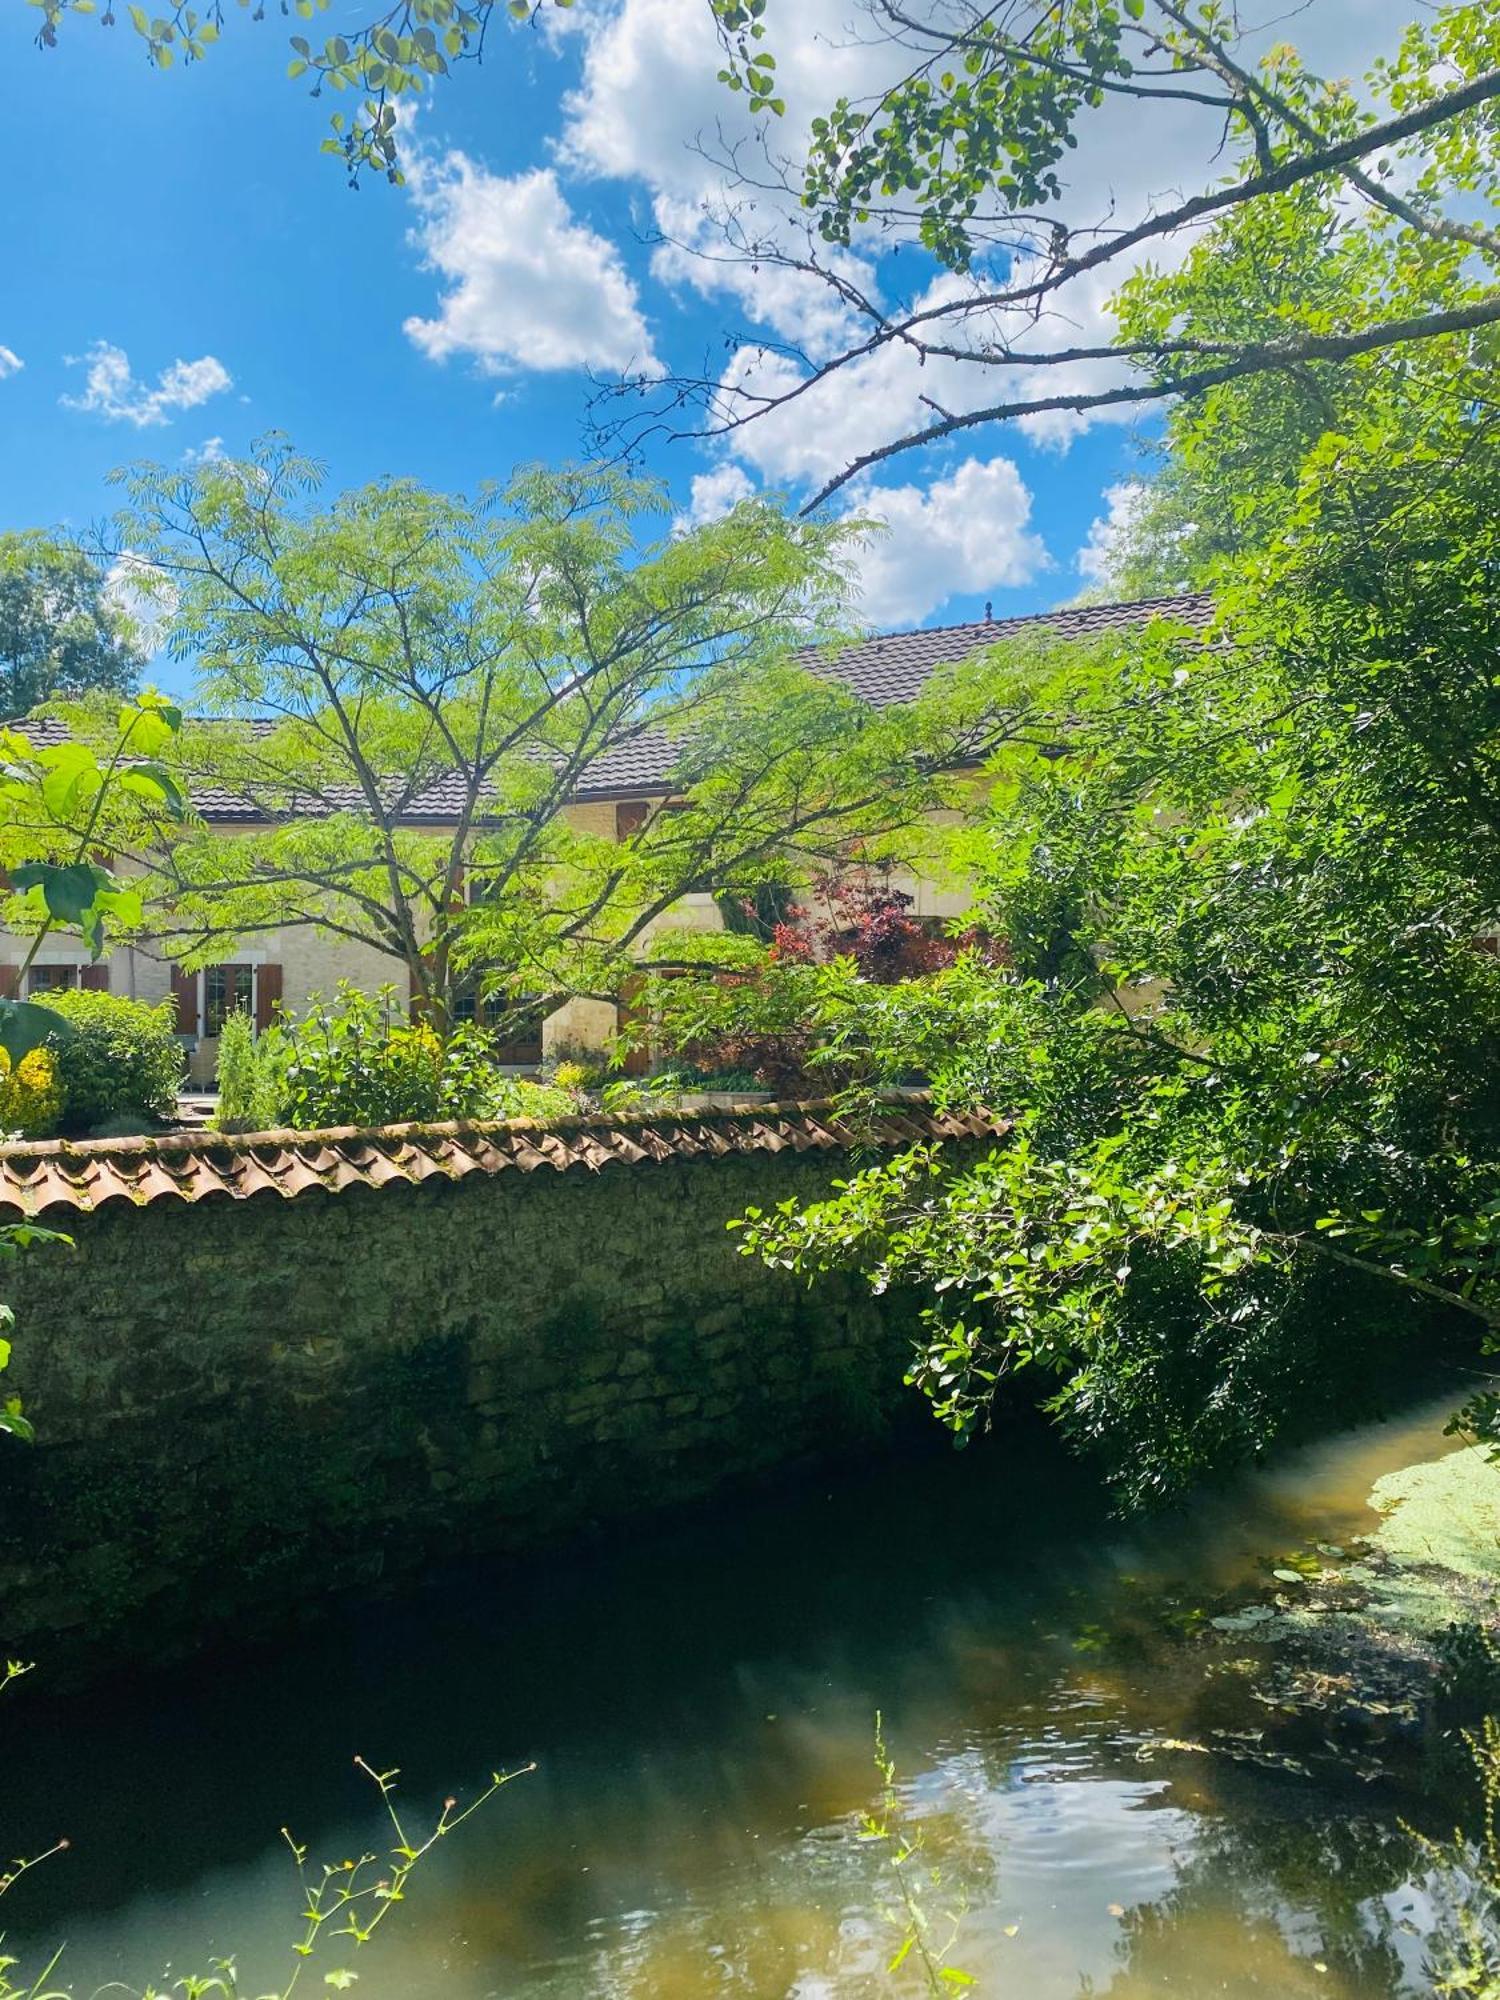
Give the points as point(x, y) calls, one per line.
point(939, 219)
point(1250, 1026)
point(61, 634)
point(61, 800)
point(407, 692)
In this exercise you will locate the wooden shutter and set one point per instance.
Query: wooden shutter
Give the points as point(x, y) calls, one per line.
point(185, 993)
point(267, 995)
point(627, 1014)
point(630, 816)
point(94, 978)
point(10, 981)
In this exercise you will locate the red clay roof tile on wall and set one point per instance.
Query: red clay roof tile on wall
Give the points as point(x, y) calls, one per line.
point(40, 1177)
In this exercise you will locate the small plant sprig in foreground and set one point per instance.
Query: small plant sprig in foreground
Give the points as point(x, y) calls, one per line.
point(1464, 1955)
point(345, 1899)
point(343, 1894)
point(917, 1932)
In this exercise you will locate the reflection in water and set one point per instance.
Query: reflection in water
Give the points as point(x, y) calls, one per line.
point(1081, 1751)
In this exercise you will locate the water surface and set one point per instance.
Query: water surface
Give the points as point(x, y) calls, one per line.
point(1074, 1743)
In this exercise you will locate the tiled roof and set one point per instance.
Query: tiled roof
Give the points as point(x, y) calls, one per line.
point(41, 1177)
point(890, 667)
point(896, 666)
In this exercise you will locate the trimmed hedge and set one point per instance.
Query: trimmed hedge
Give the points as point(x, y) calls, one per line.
point(123, 1060)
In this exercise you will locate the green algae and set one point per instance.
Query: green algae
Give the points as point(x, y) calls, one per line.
point(1442, 1513)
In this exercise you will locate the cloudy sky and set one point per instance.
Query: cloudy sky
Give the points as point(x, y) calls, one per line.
point(184, 270)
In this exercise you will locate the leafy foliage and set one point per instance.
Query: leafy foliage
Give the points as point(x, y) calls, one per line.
point(95, 795)
point(31, 1095)
point(61, 635)
point(247, 1086)
point(1250, 1020)
point(389, 59)
point(342, 1900)
point(1464, 1960)
point(360, 1060)
point(122, 1059)
point(947, 217)
point(775, 1012)
point(411, 693)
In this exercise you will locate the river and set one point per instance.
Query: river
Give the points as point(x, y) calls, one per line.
point(700, 1704)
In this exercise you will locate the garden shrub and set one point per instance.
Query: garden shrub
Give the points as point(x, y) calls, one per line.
point(359, 1060)
point(31, 1096)
point(123, 1060)
point(247, 1080)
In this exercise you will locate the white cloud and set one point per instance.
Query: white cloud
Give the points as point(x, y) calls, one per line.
point(649, 111)
point(965, 533)
point(144, 593)
point(529, 285)
point(10, 362)
point(715, 494)
point(794, 305)
point(112, 391)
point(208, 453)
point(665, 55)
point(1099, 558)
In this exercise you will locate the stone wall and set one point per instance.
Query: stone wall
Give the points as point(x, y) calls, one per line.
point(244, 1405)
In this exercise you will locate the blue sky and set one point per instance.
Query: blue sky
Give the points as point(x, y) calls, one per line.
point(184, 270)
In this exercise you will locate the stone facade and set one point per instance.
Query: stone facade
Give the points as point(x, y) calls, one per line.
point(242, 1406)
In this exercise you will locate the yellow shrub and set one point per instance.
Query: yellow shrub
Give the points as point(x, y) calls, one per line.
point(31, 1096)
point(573, 1076)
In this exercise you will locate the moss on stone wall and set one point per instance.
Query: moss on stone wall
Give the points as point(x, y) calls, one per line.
point(243, 1406)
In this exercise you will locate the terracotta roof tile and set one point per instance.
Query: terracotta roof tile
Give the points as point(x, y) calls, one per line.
point(40, 1177)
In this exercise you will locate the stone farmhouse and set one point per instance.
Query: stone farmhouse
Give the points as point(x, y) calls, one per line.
point(285, 969)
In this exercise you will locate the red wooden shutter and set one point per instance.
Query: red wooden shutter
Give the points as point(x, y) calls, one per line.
point(267, 995)
point(94, 978)
point(10, 981)
point(185, 993)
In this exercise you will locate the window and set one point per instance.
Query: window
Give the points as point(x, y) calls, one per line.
point(227, 989)
point(464, 1002)
point(52, 979)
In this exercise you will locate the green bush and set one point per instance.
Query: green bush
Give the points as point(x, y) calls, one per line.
point(359, 1060)
point(355, 1060)
point(123, 1060)
point(248, 1090)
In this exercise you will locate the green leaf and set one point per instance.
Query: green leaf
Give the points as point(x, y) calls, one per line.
point(25, 1026)
point(68, 890)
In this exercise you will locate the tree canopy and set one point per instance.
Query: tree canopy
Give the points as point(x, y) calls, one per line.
point(392, 56)
point(61, 632)
point(408, 699)
point(1250, 1021)
point(948, 220)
